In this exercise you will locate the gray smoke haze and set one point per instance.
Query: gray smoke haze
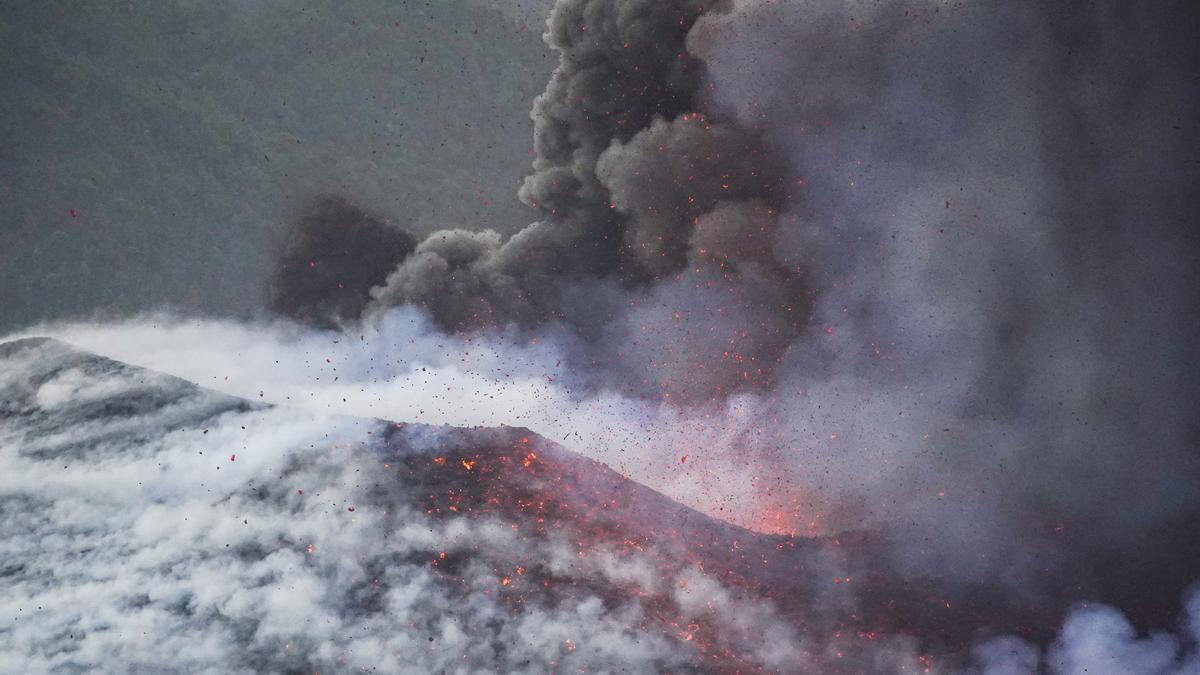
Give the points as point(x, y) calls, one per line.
point(1011, 352)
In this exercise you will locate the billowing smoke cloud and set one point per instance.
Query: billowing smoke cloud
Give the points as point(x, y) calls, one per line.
point(333, 257)
point(636, 190)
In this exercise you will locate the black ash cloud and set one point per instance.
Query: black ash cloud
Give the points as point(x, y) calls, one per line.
point(333, 257)
point(636, 189)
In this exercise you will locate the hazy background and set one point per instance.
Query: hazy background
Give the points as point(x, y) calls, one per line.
point(154, 153)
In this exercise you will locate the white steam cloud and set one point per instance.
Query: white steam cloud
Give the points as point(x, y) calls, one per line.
point(152, 525)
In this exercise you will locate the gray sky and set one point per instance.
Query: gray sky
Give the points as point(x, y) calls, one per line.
point(152, 153)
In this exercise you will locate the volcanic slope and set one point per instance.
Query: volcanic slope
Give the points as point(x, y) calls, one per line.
point(147, 523)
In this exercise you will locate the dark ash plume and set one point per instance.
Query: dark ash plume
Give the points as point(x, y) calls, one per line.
point(333, 257)
point(636, 188)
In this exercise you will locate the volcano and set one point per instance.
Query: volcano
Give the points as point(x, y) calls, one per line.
point(157, 524)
